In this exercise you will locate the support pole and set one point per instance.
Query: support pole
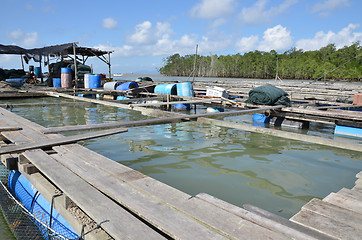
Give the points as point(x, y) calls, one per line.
point(41, 71)
point(109, 66)
point(22, 61)
point(193, 78)
point(75, 66)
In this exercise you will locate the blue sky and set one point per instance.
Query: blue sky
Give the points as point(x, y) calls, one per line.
point(142, 32)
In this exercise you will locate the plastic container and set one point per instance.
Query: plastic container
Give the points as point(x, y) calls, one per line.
point(37, 71)
point(351, 132)
point(216, 92)
point(260, 118)
point(184, 89)
point(166, 89)
point(95, 81)
point(32, 200)
point(57, 82)
point(16, 82)
point(126, 86)
point(110, 85)
point(66, 77)
point(86, 80)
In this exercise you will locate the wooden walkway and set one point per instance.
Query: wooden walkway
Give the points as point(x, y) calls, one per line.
point(128, 204)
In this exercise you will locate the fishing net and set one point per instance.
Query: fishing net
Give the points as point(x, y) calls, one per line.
point(22, 223)
point(268, 95)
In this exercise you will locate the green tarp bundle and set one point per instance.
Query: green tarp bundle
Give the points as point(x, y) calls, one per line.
point(268, 95)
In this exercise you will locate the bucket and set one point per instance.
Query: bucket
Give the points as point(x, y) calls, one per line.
point(37, 71)
point(66, 77)
point(32, 200)
point(86, 80)
point(166, 89)
point(110, 85)
point(57, 82)
point(95, 81)
point(127, 86)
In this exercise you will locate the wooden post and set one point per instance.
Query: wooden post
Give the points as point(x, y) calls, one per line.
point(109, 66)
point(75, 66)
point(41, 71)
point(22, 61)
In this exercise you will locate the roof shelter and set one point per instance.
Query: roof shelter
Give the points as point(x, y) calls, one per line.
point(68, 49)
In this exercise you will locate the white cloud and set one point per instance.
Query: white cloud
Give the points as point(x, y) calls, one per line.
point(209, 9)
point(109, 23)
point(259, 13)
point(345, 37)
point(142, 33)
point(24, 39)
point(247, 44)
point(124, 51)
point(328, 6)
point(276, 38)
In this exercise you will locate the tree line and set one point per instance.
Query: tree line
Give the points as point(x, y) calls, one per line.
point(325, 63)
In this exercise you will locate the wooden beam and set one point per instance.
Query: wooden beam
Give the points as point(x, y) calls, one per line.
point(176, 102)
point(45, 143)
point(177, 118)
point(289, 135)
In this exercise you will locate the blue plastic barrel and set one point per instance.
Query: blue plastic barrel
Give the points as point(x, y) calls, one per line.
point(27, 194)
point(16, 82)
point(184, 89)
point(65, 70)
point(57, 82)
point(126, 86)
point(37, 71)
point(260, 118)
point(351, 132)
point(95, 81)
point(166, 89)
point(122, 98)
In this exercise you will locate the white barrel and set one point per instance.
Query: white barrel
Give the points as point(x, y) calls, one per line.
point(86, 80)
point(110, 85)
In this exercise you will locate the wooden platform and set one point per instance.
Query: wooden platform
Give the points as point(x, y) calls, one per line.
point(128, 204)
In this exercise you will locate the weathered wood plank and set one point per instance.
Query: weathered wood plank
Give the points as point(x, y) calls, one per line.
point(59, 141)
point(327, 225)
point(351, 193)
point(176, 118)
point(266, 219)
point(121, 224)
point(359, 175)
point(20, 105)
point(9, 128)
point(176, 102)
point(289, 135)
point(344, 202)
point(324, 113)
point(333, 211)
point(204, 212)
point(157, 213)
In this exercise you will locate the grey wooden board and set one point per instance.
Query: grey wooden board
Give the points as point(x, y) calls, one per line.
point(344, 202)
point(269, 221)
point(16, 137)
point(21, 105)
point(175, 102)
point(157, 213)
point(351, 193)
point(204, 212)
point(289, 135)
point(324, 113)
point(59, 141)
point(327, 225)
point(8, 128)
point(333, 211)
point(359, 175)
point(121, 225)
point(175, 118)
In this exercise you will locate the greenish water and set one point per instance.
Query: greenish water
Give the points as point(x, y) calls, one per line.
point(276, 174)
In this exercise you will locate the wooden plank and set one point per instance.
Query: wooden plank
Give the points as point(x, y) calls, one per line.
point(324, 113)
point(266, 219)
point(359, 175)
point(157, 213)
point(59, 141)
point(9, 128)
point(21, 105)
point(327, 225)
point(335, 212)
point(288, 135)
point(344, 202)
point(350, 193)
point(207, 214)
point(176, 102)
point(176, 118)
point(120, 225)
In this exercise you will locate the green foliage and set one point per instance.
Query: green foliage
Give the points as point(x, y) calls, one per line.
point(325, 63)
